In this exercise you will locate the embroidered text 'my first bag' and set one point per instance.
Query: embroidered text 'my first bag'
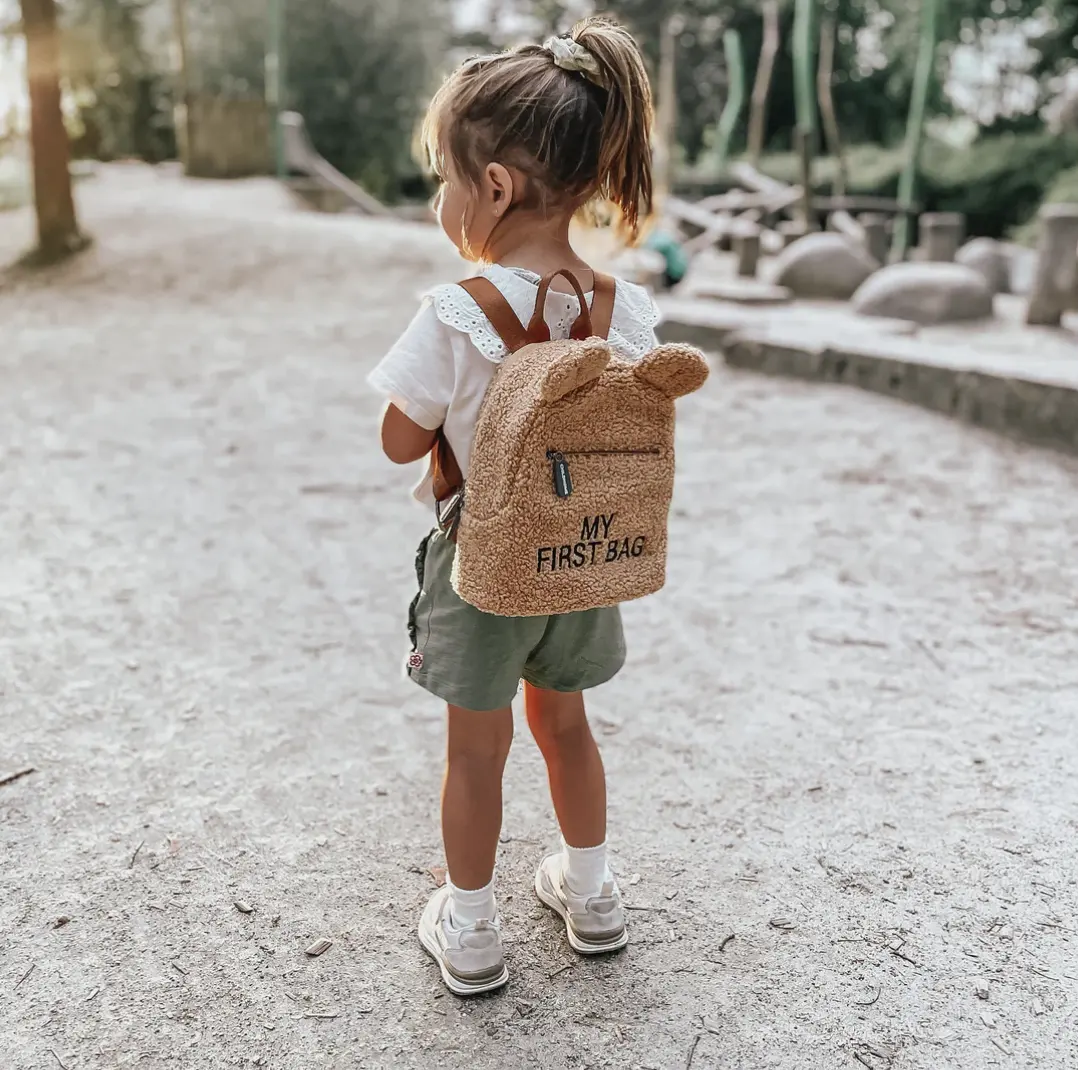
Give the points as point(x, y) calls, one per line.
point(572, 465)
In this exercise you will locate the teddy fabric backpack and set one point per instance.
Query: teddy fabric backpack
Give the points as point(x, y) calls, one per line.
point(572, 465)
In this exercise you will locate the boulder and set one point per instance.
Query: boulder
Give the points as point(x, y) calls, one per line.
point(926, 294)
point(991, 259)
point(825, 266)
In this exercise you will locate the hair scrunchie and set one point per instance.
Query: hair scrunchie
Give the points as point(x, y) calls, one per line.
point(570, 55)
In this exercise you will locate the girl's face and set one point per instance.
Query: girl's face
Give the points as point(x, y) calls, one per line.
point(468, 214)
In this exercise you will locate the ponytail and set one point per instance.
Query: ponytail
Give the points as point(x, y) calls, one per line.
point(625, 173)
point(577, 127)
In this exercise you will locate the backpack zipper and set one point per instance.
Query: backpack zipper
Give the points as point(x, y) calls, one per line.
point(563, 479)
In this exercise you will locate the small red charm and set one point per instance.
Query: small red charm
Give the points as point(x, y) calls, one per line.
point(415, 660)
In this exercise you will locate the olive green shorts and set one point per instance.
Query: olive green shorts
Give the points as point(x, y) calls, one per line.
point(476, 660)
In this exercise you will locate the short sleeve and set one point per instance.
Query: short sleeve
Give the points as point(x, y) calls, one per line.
point(636, 315)
point(417, 374)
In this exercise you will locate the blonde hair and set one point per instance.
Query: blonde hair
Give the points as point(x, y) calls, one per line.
point(577, 138)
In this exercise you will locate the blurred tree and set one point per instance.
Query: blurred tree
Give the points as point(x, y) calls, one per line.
point(359, 71)
point(58, 232)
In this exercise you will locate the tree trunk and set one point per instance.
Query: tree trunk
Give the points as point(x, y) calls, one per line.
point(761, 89)
point(825, 76)
point(57, 229)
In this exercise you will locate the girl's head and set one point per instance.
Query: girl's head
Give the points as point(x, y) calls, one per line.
point(543, 131)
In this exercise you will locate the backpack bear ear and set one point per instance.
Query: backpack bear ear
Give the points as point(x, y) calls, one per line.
point(580, 364)
point(674, 369)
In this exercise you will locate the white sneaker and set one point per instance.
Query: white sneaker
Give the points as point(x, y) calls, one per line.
point(470, 959)
point(594, 925)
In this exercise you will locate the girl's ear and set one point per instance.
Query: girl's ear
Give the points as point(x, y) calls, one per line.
point(674, 369)
point(498, 188)
point(579, 364)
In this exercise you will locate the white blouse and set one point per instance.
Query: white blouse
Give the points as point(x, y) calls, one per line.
point(438, 371)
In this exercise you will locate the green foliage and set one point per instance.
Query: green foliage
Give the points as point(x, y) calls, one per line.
point(359, 71)
point(1064, 190)
point(14, 183)
point(123, 97)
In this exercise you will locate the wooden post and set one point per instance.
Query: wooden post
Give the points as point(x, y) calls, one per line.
point(57, 227)
point(182, 109)
point(825, 76)
point(666, 116)
point(1055, 285)
point(805, 100)
point(275, 82)
point(761, 88)
point(941, 235)
point(735, 99)
point(922, 81)
point(874, 227)
point(746, 242)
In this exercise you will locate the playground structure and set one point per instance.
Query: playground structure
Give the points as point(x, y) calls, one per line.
point(320, 183)
point(762, 218)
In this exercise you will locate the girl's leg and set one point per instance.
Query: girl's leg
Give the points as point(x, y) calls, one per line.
point(577, 883)
point(577, 778)
point(472, 794)
point(459, 927)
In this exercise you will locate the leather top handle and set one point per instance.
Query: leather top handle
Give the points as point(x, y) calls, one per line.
point(591, 322)
point(538, 331)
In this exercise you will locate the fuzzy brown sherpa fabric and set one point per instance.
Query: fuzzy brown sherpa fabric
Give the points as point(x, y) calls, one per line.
point(572, 472)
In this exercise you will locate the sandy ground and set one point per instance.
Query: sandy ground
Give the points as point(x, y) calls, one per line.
point(841, 759)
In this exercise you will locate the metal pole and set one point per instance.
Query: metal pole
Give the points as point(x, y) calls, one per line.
point(922, 81)
point(275, 80)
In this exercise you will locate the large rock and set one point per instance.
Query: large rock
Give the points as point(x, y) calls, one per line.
point(925, 294)
point(991, 259)
point(826, 266)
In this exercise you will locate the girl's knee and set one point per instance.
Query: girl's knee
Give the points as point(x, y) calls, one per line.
point(480, 738)
point(556, 720)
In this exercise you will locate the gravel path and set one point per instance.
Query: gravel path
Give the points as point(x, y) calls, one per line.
point(841, 760)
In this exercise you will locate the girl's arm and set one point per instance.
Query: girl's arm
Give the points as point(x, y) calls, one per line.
point(416, 378)
point(403, 440)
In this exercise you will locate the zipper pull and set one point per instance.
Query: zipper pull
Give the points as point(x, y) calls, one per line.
point(563, 481)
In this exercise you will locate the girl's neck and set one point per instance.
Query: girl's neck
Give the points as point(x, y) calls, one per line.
point(541, 246)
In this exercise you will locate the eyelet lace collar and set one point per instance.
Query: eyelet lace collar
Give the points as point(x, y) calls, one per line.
point(631, 331)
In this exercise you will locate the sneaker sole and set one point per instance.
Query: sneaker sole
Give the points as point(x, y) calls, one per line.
point(455, 984)
point(548, 897)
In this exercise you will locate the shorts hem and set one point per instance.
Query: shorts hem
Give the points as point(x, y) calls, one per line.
point(588, 683)
point(457, 696)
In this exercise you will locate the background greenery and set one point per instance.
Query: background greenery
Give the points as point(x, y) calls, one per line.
point(360, 71)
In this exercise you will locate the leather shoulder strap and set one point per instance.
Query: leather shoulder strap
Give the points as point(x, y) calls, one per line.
point(515, 335)
point(497, 309)
point(604, 291)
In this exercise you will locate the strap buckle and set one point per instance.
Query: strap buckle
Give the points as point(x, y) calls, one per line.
point(447, 513)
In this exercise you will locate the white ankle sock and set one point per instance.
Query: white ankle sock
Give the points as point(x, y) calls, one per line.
point(586, 870)
point(466, 908)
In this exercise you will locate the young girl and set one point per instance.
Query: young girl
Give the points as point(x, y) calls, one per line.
point(522, 142)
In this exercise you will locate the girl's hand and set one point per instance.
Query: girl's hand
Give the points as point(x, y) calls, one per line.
point(403, 440)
